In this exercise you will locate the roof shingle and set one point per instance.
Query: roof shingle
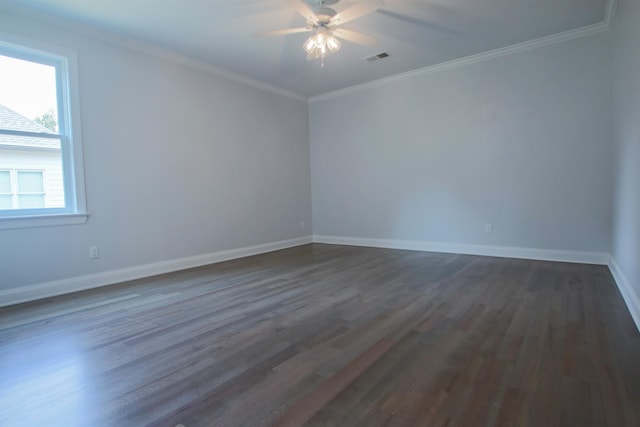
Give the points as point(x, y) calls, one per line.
point(10, 120)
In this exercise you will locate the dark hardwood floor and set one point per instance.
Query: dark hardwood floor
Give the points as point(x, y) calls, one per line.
point(326, 335)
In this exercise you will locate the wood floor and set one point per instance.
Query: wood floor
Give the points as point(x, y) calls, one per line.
point(324, 335)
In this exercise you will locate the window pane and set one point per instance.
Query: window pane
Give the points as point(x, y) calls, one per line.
point(30, 182)
point(5, 182)
point(5, 202)
point(28, 103)
point(29, 89)
point(31, 201)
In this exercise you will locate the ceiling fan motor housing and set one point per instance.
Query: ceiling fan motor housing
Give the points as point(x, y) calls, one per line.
point(324, 15)
point(321, 3)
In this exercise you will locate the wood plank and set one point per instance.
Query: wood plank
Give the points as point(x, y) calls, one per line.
point(329, 335)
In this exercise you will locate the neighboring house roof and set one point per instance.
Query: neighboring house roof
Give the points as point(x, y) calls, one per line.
point(10, 120)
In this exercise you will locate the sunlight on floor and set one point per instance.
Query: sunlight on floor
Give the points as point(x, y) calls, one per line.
point(45, 383)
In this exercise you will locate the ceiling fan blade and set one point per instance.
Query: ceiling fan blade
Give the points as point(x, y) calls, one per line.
point(284, 32)
point(356, 11)
point(355, 37)
point(303, 9)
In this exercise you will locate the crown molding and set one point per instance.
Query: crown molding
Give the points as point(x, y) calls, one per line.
point(145, 48)
point(468, 60)
point(171, 56)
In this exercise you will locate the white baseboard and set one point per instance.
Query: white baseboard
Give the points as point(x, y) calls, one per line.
point(600, 258)
point(81, 283)
point(631, 298)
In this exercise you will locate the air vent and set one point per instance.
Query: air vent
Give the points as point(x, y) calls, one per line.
point(377, 57)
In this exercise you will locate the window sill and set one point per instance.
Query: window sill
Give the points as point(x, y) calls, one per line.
point(32, 221)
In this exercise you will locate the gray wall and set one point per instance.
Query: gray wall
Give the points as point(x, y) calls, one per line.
point(626, 230)
point(521, 142)
point(178, 163)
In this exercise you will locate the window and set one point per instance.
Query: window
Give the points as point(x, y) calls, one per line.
point(41, 180)
point(30, 189)
point(21, 189)
point(6, 195)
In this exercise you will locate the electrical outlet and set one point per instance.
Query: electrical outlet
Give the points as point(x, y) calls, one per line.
point(94, 252)
point(301, 224)
point(488, 228)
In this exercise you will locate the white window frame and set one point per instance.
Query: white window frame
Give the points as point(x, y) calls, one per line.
point(10, 193)
point(69, 131)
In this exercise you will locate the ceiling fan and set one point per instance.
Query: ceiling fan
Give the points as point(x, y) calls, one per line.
point(323, 22)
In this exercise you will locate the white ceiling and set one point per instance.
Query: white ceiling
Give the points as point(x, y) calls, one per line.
point(417, 34)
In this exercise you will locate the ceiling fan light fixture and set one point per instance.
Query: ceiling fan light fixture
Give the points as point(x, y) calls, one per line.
point(310, 45)
point(333, 43)
point(323, 21)
point(321, 43)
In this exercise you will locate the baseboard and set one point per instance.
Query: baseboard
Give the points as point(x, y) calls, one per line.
point(631, 298)
point(600, 258)
point(81, 283)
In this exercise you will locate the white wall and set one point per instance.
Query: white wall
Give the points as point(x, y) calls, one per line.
point(626, 225)
point(178, 163)
point(521, 142)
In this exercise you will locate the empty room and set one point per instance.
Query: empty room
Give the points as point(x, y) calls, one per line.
point(319, 213)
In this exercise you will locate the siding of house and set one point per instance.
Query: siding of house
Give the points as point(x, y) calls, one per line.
point(47, 161)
